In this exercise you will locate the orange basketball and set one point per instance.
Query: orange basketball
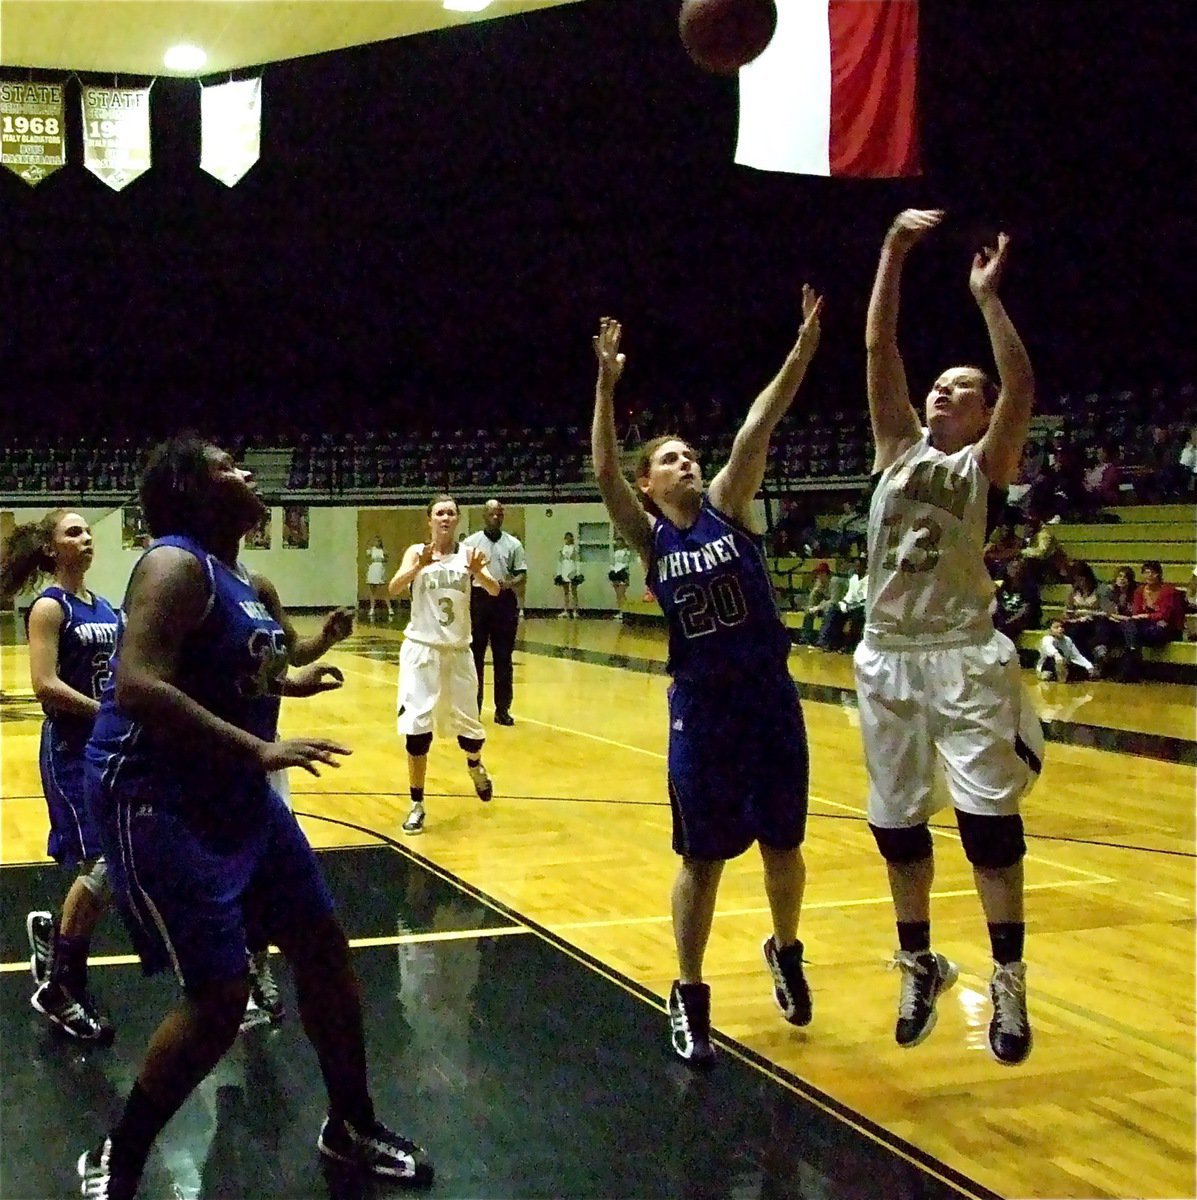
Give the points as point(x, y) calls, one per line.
point(722, 35)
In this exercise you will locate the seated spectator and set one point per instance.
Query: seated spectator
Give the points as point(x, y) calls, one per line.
point(1059, 657)
point(1042, 552)
point(843, 623)
point(851, 527)
point(1086, 612)
point(1103, 480)
point(825, 591)
point(1191, 607)
point(1003, 545)
point(1187, 475)
point(1017, 605)
point(1060, 491)
point(1157, 617)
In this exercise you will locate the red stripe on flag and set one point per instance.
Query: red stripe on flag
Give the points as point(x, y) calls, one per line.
point(874, 52)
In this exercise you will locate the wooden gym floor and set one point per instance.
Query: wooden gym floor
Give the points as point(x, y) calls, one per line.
point(515, 958)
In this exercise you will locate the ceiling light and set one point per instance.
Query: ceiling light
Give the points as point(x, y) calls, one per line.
point(184, 58)
point(466, 5)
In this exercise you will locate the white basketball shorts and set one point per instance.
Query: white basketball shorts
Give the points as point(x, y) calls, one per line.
point(438, 687)
point(957, 716)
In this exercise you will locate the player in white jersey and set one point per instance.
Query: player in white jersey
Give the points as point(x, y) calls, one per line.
point(941, 699)
point(438, 682)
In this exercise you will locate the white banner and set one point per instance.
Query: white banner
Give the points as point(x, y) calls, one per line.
point(32, 129)
point(231, 123)
point(116, 133)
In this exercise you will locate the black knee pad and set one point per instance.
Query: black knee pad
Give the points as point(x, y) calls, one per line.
point(907, 845)
point(992, 842)
point(470, 745)
point(418, 744)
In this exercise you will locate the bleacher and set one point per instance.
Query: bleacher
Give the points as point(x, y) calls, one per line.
point(1167, 532)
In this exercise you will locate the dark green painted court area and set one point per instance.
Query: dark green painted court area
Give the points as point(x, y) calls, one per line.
point(525, 1070)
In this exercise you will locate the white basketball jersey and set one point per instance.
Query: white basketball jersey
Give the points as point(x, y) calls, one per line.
point(440, 603)
point(927, 527)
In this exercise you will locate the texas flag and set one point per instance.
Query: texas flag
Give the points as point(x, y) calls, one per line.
point(834, 91)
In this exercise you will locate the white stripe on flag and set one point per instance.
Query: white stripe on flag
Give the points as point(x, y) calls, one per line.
point(785, 95)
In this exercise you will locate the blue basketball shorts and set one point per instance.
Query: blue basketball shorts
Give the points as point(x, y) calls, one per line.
point(74, 832)
point(738, 767)
point(192, 901)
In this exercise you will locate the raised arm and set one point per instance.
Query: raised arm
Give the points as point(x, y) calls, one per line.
point(735, 486)
point(622, 503)
point(1000, 450)
point(895, 423)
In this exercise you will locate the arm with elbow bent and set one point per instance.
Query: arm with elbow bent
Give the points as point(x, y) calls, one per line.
point(168, 595)
point(45, 627)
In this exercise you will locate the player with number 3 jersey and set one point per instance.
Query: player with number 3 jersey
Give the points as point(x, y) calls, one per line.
point(438, 681)
point(737, 744)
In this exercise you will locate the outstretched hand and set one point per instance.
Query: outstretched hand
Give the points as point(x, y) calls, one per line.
point(300, 752)
point(315, 678)
point(338, 625)
point(988, 264)
point(475, 560)
point(424, 558)
point(606, 350)
point(912, 225)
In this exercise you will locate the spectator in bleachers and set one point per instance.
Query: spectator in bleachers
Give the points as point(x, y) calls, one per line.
point(843, 622)
point(1044, 556)
point(1191, 607)
point(1086, 615)
point(819, 600)
point(1003, 546)
point(1060, 491)
point(1157, 617)
point(1187, 474)
point(1059, 655)
point(1103, 480)
point(1017, 604)
point(851, 527)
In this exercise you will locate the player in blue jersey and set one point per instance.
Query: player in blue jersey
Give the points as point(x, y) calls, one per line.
point(203, 853)
point(72, 632)
point(737, 744)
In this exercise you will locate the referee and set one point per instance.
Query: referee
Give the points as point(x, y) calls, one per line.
point(496, 618)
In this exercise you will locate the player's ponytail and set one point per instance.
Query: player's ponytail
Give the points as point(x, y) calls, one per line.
point(26, 554)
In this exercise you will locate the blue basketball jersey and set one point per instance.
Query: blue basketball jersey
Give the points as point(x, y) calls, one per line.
point(231, 663)
point(85, 644)
point(713, 587)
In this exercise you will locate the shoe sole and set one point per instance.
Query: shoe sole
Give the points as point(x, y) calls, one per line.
point(1013, 1062)
point(945, 982)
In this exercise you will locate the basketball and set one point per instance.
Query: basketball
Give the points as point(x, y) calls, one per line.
point(721, 36)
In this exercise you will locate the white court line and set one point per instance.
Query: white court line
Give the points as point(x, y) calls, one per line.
point(856, 810)
point(401, 939)
point(808, 907)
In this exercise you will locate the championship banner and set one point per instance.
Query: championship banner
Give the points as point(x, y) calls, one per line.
point(231, 124)
point(32, 129)
point(116, 133)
